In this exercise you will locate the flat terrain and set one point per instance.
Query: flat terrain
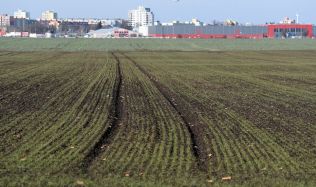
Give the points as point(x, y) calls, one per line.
point(157, 118)
point(75, 44)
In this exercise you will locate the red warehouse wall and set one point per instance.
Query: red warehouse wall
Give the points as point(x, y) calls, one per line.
point(308, 27)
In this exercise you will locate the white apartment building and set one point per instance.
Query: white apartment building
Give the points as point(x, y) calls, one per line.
point(21, 14)
point(140, 17)
point(4, 20)
point(49, 15)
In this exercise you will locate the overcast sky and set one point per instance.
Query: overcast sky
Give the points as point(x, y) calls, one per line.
point(244, 11)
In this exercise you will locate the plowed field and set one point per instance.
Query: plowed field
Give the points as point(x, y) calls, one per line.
point(157, 118)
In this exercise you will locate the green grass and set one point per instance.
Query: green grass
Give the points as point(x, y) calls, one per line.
point(251, 113)
point(28, 44)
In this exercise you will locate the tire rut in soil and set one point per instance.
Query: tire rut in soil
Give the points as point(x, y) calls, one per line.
point(190, 119)
point(114, 118)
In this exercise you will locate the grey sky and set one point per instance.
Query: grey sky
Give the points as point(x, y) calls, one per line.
point(252, 11)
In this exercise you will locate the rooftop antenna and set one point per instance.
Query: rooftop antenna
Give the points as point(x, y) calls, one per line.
point(297, 18)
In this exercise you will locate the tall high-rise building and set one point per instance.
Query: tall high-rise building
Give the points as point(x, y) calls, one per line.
point(140, 17)
point(21, 14)
point(49, 15)
point(4, 20)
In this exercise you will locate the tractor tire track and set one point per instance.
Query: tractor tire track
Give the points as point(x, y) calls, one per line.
point(190, 119)
point(114, 119)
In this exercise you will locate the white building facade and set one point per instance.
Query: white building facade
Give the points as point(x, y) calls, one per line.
point(140, 17)
point(49, 15)
point(21, 14)
point(4, 20)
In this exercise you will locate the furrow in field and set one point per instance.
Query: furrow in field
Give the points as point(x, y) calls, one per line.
point(115, 112)
point(189, 119)
point(76, 122)
point(250, 114)
point(149, 141)
point(52, 139)
point(241, 146)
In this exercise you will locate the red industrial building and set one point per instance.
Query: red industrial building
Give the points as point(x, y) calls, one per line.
point(290, 30)
point(181, 30)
